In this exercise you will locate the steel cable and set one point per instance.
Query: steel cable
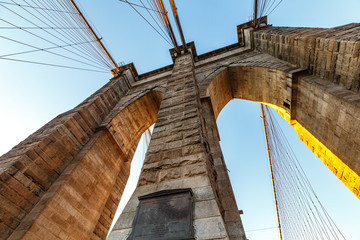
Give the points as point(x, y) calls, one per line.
point(301, 214)
point(55, 22)
point(57, 37)
point(147, 21)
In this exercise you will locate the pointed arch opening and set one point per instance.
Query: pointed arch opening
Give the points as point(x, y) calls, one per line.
point(303, 101)
point(244, 148)
point(126, 126)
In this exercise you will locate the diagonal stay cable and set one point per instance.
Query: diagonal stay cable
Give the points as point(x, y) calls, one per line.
point(278, 157)
point(148, 22)
point(28, 6)
point(43, 29)
point(39, 28)
point(45, 50)
point(75, 34)
point(309, 187)
point(268, 6)
point(302, 181)
point(88, 33)
point(79, 20)
point(274, 7)
point(52, 18)
point(155, 20)
point(38, 49)
point(61, 19)
point(280, 143)
point(52, 65)
point(158, 12)
point(36, 34)
point(158, 4)
point(83, 52)
point(39, 37)
point(137, 5)
point(296, 193)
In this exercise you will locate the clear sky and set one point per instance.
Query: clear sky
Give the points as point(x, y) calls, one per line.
point(31, 95)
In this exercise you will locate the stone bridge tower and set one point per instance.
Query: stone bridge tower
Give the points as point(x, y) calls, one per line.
point(65, 180)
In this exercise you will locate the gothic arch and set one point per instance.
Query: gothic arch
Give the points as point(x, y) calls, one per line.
point(314, 107)
point(126, 125)
point(259, 84)
point(82, 201)
point(128, 121)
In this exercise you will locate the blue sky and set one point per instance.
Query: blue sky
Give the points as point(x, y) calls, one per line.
point(31, 95)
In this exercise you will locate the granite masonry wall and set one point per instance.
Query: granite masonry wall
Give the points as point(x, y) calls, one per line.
point(65, 180)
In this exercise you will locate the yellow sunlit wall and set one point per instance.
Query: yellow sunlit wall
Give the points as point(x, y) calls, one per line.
point(338, 167)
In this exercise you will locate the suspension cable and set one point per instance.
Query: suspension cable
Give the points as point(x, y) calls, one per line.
point(299, 210)
point(263, 8)
point(148, 22)
point(95, 35)
point(271, 169)
point(59, 23)
point(140, 6)
point(52, 65)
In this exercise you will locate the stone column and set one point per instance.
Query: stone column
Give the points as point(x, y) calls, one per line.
point(230, 212)
point(179, 157)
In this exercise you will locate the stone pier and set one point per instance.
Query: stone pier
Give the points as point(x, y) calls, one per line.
point(65, 180)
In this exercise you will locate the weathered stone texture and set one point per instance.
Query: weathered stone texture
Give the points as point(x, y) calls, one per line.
point(178, 156)
point(33, 171)
point(65, 180)
point(254, 76)
point(229, 208)
point(332, 54)
point(332, 115)
point(31, 167)
point(328, 111)
point(261, 77)
point(67, 210)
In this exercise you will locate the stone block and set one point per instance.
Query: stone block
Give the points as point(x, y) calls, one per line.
point(119, 234)
point(194, 170)
point(203, 193)
point(206, 209)
point(125, 220)
point(147, 177)
point(172, 184)
point(195, 182)
point(169, 174)
point(235, 230)
point(232, 215)
point(210, 228)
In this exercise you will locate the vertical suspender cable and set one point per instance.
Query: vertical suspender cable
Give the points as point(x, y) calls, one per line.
point(271, 168)
point(296, 202)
